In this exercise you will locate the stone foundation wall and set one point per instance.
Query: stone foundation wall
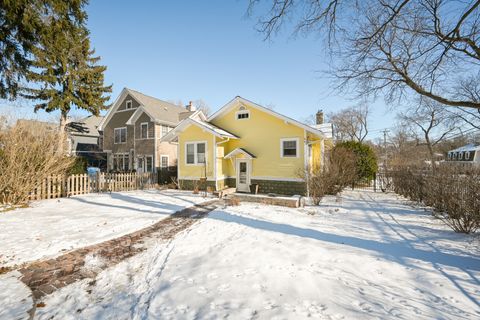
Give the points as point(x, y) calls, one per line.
point(288, 188)
point(189, 184)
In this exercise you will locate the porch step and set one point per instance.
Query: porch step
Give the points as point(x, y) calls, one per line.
point(224, 192)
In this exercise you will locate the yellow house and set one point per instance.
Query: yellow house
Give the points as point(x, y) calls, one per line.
point(245, 144)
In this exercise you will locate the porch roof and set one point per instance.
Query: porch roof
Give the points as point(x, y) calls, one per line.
point(237, 151)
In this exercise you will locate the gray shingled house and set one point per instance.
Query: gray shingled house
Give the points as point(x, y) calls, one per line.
point(132, 129)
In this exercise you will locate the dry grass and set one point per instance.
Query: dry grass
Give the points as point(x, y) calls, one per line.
point(28, 154)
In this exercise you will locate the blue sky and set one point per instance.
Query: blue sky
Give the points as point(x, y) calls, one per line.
point(187, 50)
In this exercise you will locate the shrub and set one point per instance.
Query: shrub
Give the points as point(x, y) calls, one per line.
point(79, 166)
point(339, 171)
point(29, 154)
point(366, 161)
point(453, 193)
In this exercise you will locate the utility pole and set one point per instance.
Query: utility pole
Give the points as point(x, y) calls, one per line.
point(385, 132)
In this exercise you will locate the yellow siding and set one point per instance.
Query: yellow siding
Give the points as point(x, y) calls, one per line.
point(195, 134)
point(260, 134)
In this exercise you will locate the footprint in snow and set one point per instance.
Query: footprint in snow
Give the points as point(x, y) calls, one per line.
point(182, 308)
point(260, 287)
point(223, 287)
point(269, 305)
point(212, 276)
point(202, 290)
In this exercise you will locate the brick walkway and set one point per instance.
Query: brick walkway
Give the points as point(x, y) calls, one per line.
point(44, 277)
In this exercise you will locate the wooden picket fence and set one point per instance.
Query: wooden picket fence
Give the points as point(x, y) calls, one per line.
point(65, 186)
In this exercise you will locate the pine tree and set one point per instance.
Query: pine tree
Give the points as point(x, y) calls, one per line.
point(65, 73)
point(21, 24)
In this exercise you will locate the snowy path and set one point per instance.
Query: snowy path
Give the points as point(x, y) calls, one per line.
point(360, 256)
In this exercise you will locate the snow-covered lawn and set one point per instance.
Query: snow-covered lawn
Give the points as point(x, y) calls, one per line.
point(51, 227)
point(359, 256)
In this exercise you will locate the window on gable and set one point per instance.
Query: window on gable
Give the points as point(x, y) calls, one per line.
point(120, 135)
point(144, 131)
point(289, 148)
point(128, 104)
point(243, 115)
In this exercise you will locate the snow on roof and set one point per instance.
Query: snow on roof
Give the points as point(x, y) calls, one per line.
point(468, 147)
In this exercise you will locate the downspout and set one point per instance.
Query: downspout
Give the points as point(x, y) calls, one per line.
point(305, 161)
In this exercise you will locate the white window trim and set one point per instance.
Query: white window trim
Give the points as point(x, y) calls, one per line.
point(164, 156)
point(126, 135)
point(297, 140)
point(127, 103)
point(460, 156)
point(161, 130)
point(195, 143)
point(467, 155)
point(141, 131)
point(242, 112)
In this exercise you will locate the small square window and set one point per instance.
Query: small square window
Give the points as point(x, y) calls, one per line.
point(128, 104)
point(243, 115)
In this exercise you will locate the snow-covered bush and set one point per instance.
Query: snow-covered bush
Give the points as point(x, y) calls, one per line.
point(452, 192)
point(29, 153)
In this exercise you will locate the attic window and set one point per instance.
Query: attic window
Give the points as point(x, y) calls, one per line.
point(128, 104)
point(243, 115)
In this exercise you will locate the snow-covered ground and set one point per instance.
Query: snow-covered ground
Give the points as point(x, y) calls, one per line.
point(358, 256)
point(51, 227)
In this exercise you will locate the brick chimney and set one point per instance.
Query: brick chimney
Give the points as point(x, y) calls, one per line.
point(319, 117)
point(190, 106)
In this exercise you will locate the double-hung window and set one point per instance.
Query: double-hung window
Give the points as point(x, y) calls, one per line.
point(164, 161)
point(120, 135)
point(144, 130)
point(195, 152)
point(289, 148)
point(165, 130)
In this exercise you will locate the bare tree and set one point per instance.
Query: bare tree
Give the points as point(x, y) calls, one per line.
point(394, 47)
point(432, 122)
point(351, 123)
point(202, 105)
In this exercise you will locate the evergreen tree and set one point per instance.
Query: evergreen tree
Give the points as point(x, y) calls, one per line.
point(21, 24)
point(366, 160)
point(65, 73)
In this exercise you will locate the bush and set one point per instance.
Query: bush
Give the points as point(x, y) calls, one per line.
point(453, 193)
point(29, 154)
point(79, 166)
point(339, 172)
point(366, 161)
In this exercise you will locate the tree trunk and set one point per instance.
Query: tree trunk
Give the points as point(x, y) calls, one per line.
point(62, 134)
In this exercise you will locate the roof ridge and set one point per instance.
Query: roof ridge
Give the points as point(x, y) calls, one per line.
point(149, 96)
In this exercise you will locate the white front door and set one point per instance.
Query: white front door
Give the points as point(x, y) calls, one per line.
point(243, 176)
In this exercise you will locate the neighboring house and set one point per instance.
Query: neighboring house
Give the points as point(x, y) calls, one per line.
point(86, 141)
point(466, 155)
point(243, 144)
point(132, 129)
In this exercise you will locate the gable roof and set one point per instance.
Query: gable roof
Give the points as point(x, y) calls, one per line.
point(216, 131)
point(85, 127)
point(239, 100)
point(247, 154)
point(160, 111)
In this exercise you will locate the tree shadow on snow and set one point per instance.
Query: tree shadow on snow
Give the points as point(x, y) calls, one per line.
point(398, 251)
